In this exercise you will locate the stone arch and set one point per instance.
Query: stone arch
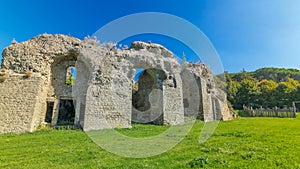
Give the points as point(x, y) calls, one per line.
point(58, 74)
point(156, 57)
point(41, 55)
point(147, 101)
point(60, 93)
point(109, 91)
point(103, 90)
point(83, 75)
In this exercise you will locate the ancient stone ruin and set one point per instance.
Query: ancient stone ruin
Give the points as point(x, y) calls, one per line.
point(105, 94)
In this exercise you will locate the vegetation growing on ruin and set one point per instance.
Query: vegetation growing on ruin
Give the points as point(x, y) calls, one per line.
point(243, 143)
point(2, 75)
point(28, 74)
point(3, 78)
point(70, 80)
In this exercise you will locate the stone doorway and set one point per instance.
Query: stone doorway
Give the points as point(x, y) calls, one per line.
point(49, 112)
point(66, 113)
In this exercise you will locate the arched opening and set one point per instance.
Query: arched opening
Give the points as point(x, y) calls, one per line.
point(82, 75)
point(70, 75)
point(147, 96)
point(60, 97)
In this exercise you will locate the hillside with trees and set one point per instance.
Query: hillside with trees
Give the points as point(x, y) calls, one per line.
point(266, 87)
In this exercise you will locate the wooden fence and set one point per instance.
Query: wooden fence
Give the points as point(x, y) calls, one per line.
point(275, 112)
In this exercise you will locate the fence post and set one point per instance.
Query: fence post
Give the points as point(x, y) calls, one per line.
point(294, 109)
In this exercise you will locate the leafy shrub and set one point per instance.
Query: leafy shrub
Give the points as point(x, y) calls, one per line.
point(248, 155)
point(199, 162)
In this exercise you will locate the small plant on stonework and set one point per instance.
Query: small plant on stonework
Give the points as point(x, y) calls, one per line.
point(89, 40)
point(3, 78)
point(2, 75)
point(184, 62)
point(28, 74)
point(70, 80)
point(125, 47)
point(13, 42)
point(2, 72)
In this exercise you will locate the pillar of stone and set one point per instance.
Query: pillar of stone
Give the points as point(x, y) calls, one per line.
point(107, 108)
point(206, 101)
point(173, 104)
point(55, 112)
point(77, 112)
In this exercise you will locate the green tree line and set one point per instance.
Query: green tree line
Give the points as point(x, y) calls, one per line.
point(266, 87)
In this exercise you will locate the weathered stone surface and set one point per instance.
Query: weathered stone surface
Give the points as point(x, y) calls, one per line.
point(102, 92)
point(213, 101)
point(39, 53)
point(22, 102)
point(109, 94)
point(47, 56)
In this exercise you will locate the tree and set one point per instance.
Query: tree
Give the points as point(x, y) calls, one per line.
point(287, 92)
point(232, 90)
point(267, 87)
point(267, 95)
point(242, 76)
point(247, 94)
point(228, 76)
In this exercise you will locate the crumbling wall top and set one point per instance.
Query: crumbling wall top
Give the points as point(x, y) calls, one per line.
point(152, 47)
point(37, 53)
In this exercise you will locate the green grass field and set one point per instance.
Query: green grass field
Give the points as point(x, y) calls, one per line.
point(243, 143)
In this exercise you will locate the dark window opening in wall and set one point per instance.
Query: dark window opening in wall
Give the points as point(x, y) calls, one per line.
point(70, 75)
point(49, 112)
point(66, 114)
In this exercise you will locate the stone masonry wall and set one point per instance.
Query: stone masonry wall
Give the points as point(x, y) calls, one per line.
point(103, 90)
point(107, 104)
point(109, 95)
point(48, 57)
point(38, 53)
point(21, 101)
point(173, 101)
point(191, 94)
point(213, 101)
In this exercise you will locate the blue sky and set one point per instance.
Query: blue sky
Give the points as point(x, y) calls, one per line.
point(246, 33)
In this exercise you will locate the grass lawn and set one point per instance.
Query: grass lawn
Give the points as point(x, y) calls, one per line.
point(243, 143)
